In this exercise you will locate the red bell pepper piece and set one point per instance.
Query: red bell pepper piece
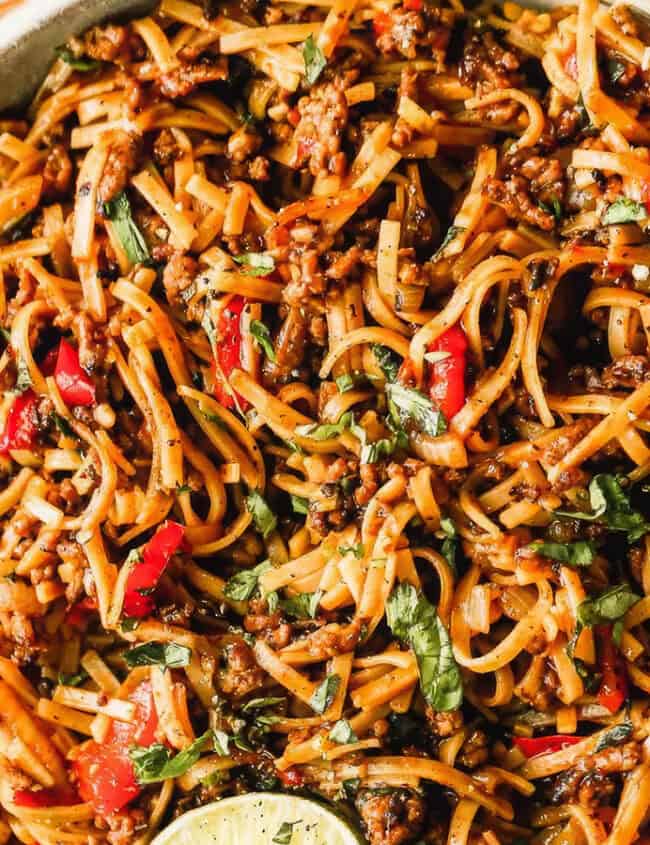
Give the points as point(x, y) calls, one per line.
point(104, 771)
point(291, 778)
point(75, 386)
point(614, 687)
point(381, 23)
point(228, 351)
point(78, 614)
point(145, 575)
point(534, 746)
point(50, 796)
point(413, 5)
point(447, 379)
point(20, 428)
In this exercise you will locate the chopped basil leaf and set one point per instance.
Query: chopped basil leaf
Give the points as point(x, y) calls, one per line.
point(183, 488)
point(410, 407)
point(155, 763)
point(324, 694)
point(342, 733)
point(262, 335)
point(260, 703)
point(76, 63)
point(63, 425)
point(580, 553)
point(387, 361)
point(327, 430)
point(264, 519)
point(357, 550)
point(609, 606)
point(619, 733)
point(242, 585)
point(349, 789)
point(348, 381)
point(256, 263)
point(221, 742)
point(451, 233)
point(285, 831)
point(171, 655)
point(624, 211)
point(314, 59)
point(129, 623)
point(609, 503)
point(450, 543)
point(299, 504)
point(413, 619)
point(118, 211)
point(73, 680)
point(302, 606)
point(615, 70)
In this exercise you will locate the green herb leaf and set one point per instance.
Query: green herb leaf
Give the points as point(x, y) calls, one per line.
point(619, 733)
point(357, 550)
point(324, 693)
point(76, 63)
point(609, 502)
point(73, 680)
point(264, 519)
point(299, 504)
point(412, 618)
point(170, 655)
point(314, 59)
point(411, 408)
point(118, 211)
point(221, 741)
point(580, 553)
point(349, 788)
point(285, 831)
point(23, 378)
point(615, 70)
point(302, 606)
point(63, 425)
point(347, 381)
point(155, 763)
point(452, 232)
point(387, 361)
point(256, 263)
point(261, 703)
point(327, 430)
point(242, 585)
point(609, 606)
point(449, 546)
point(624, 211)
point(262, 335)
point(342, 733)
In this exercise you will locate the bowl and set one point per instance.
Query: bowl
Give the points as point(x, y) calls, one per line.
point(30, 32)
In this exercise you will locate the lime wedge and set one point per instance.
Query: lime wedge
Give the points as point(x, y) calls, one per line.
point(259, 818)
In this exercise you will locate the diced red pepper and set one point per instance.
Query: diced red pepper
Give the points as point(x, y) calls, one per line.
point(229, 340)
point(104, 771)
point(145, 575)
point(614, 687)
point(534, 746)
point(78, 614)
point(291, 778)
point(381, 23)
point(50, 796)
point(20, 428)
point(75, 386)
point(413, 5)
point(447, 376)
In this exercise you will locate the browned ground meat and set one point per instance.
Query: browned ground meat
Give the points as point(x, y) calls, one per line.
point(391, 817)
point(178, 275)
point(243, 144)
point(271, 626)
point(105, 43)
point(92, 342)
point(57, 173)
point(627, 371)
point(120, 164)
point(184, 79)
point(405, 31)
point(443, 722)
point(165, 148)
point(487, 63)
point(242, 675)
point(589, 782)
point(323, 116)
point(334, 639)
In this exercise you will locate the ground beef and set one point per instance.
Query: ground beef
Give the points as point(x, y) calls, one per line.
point(628, 371)
point(443, 722)
point(57, 173)
point(104, 43)
point(488, 65)
point(242, 144)
point(92, 342)
point(165, 148)
point(333, 640)
point(390, 817)
point(408, 32)
point(589, 782)
point(178, 276)
point(121, 162)
point(323, 116)
point(271, 626)
point(184, 79)
point(241, 675)
point(566, 439)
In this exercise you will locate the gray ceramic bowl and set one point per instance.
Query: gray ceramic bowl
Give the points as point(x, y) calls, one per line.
point(30, 32)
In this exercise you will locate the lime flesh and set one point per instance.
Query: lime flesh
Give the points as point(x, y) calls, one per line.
point(259, 818)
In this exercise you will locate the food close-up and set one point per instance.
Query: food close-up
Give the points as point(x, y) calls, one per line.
point(325, 423)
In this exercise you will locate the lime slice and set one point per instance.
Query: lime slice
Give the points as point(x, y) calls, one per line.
point(259, 818)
